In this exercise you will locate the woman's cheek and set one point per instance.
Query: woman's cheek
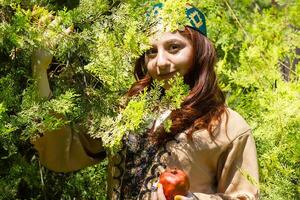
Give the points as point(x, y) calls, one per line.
point(151, 69)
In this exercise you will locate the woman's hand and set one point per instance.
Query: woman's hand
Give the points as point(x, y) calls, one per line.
point(159, 195)
point(41, 59)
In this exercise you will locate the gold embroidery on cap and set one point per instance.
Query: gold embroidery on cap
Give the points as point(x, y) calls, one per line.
point(197, 23)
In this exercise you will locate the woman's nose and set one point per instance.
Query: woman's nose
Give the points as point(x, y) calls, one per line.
point(162, 62)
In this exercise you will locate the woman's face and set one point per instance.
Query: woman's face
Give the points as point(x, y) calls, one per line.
point(170, 54)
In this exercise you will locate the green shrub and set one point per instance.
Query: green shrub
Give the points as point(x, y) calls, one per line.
point(92, 69)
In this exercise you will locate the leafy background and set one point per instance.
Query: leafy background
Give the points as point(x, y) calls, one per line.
point(257, 44)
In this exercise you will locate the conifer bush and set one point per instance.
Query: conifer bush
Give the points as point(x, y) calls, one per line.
point(257, 66)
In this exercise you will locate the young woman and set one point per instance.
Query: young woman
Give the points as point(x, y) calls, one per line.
point(209, 141)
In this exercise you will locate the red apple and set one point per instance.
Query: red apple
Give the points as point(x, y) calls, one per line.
point(174, 182)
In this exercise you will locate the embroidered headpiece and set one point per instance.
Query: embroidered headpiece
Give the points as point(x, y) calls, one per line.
point(196, 18)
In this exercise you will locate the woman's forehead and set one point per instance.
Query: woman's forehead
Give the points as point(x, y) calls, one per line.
point(166, 37)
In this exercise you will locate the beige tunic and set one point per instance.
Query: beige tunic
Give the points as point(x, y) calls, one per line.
point(219, 167)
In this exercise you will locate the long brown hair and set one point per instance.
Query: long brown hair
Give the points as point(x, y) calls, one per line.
point(203, 107)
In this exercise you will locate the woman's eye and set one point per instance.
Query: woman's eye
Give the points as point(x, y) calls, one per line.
point(173, 48)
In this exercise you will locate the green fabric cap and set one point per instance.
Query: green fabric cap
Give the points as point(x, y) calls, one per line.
point(195, 17)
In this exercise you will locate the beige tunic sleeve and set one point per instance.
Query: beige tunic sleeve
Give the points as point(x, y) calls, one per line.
point(67, 149)
point(237, 172)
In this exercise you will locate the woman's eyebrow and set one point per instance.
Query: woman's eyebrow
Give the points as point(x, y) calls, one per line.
point(177, 41)
point(167, 42)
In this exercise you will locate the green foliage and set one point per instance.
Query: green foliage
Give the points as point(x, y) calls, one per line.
point(170, 17)
point(92, 70)
point(140, 113)
point(40, 115)
point(175, 94)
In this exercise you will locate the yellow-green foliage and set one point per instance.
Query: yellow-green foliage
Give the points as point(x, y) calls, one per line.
point(139, 113)
point(92, 69)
